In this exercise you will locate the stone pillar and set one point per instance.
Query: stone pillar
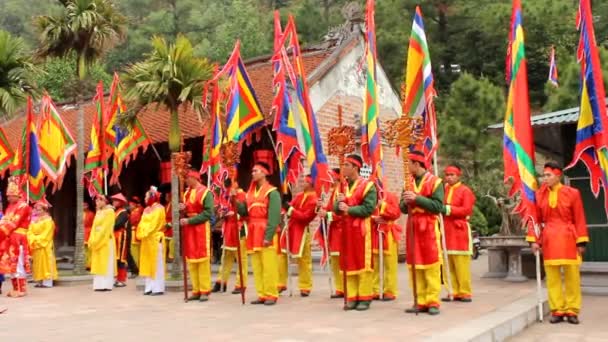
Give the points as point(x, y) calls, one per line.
point(497, 263)
point(515, 273)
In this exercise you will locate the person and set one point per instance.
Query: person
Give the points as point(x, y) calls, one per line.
point(262, 208)
point(562, 240)
point(168, 230)
point(14, 251)
point(1, 274)
point(356, 205)
point(136, 211)
point(422, 200)
point(197, 205)
point(459, 203)
point(119, 202)
point(300, 213)
point(103, 245)
point(88, 217)
point(40, 237)
point(152, 239)
point(233, 233)
point(385, 215)
point(334, 234)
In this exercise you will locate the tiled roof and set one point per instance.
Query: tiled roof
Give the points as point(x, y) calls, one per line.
point(155, 119)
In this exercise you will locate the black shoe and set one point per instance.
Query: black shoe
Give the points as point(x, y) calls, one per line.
point(203, 298)
point(258, 302)
point(556, 319)
point(194, 297)
point(147, 293)
point(414, 310)
point(573, 319)
point(157, 293)
point(236, 291)
point(270, 302)
point(388, 298)
point(336, 295)
point(224, 287)
point(466, 300)
point(362, 305)
point(449, 299)
point(351, 305)
point(433, 311)
point(216, 287)
point(304, 293)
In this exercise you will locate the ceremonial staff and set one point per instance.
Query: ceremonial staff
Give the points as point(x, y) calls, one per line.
point(402, 133)
point(231, 156)
point(341, 141)
point(325, 232)
point(181, 161)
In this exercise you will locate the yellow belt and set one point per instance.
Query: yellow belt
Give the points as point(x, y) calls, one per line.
point(22, 231)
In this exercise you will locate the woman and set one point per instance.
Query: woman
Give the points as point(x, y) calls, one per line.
point(102, 245)
point(150, 233)
point(40, 238)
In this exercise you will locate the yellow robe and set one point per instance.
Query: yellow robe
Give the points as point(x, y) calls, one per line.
point(150, 232)
point(40, 238)
point(100, 240)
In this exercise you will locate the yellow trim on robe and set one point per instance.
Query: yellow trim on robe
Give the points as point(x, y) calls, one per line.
point(582, 239)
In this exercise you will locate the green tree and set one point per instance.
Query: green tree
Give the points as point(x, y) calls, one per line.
point(478, 221)
point(17, 74)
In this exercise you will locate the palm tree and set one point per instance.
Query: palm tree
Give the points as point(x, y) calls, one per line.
point(17, 74)
point(87, 29)
point(171, 76)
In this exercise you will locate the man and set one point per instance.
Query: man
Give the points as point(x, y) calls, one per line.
point(137, 211)
point(356, 206)
point(119, 203)
point(40, 237)
point(422, 200)
point(197, 206)
point(562, 240)
point(301, 211)
point(169, 244)
point(384, 217)
point(150, 234)
point(459, 203)
point(232, 229)
point(14, 251)
point(334, 234)
point(262, 208)
point(88, 217)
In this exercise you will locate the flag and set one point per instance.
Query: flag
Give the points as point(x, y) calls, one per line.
point(591, 135)
point(216, 140)
point(56, 142)
point(420, 88)
point(122, 142)
point(309, 138)
point(243, 111)
point(96, 153)
point(371, 145)
point(553, 68)
point(94, 182)
point(7, 153)
point(27, 162)
point(518, 149)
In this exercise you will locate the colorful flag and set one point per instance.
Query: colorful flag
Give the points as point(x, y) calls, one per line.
point(591, 135)
point(518, 150)
point(371, 145)
point(27, 162)
point(309, 138)
point(420, 88)
point(553, 68)
point(7, 153)
point(56, 142)
point(216, 140)
point(243, 110)
point(96, 154)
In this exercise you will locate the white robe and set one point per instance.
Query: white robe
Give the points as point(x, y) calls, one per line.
point(106, 282)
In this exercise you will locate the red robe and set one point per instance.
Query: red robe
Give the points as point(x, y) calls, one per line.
point(134, 219)
point(168, 218)
point(459, 201)
point(388, 209)
point(425, 225)
point(13, 233)
point(120, 234)
point(356, 252)
point(257, 219)
point(197, 237)
point(304, 211)
point(232, 224)
point(89, 216)
point(562, 217)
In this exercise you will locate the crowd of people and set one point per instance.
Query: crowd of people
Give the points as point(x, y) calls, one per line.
point(358, 232)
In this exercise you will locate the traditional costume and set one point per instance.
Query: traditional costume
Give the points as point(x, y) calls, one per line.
point(14, 251)
point(199, 208)
point(423, 219)
point(121, 238)
point(388, 209)
point(356, 251)
point(334, 236)
point(102, 245)
point(262, 208)
point(301, 213)
point(40, 237)
point(88, 217)
point(562, 218)
point(459, 203)
point(134, 219)
point(233, 232)
point(152, 239)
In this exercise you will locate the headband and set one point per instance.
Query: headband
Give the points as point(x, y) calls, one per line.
point(262, 169)
point(452, 170)
point(354, 162)
point(194, 174)
point(418, 158)
point(553, 170)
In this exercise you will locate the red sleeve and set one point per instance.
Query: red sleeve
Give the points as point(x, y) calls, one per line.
point(531, 235)
point(578, 213)
point(391, 210)
point(307, 212)
point(464, 209)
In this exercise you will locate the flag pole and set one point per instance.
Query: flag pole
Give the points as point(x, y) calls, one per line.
point(539, 290)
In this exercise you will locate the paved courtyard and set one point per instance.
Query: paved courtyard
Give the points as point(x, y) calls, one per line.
point(79, 314)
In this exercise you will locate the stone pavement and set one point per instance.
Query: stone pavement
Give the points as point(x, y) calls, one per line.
point(79, 314)
point(593, 327)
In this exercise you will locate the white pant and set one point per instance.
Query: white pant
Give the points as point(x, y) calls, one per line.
point(157, 285)
point(20, 265)
point(47, 283)
point(106, 282)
